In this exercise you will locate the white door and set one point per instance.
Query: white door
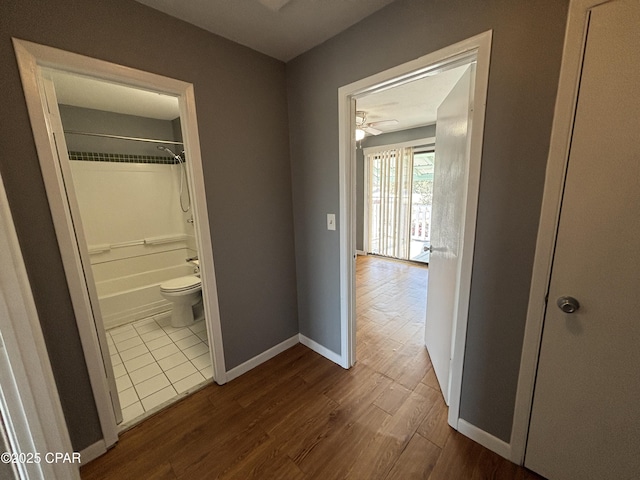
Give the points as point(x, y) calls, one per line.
point(89, 286)
point(585, 421)
point(447, 219)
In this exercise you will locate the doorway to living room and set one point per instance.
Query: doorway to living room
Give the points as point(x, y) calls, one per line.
point(459, 124)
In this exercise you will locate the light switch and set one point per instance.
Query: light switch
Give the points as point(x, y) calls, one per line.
point(331, 221)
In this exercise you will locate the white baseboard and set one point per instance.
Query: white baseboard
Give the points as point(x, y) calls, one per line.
point(324, 351)
point(485, 439)
point(92, 452)
point(260, 359)
point(281, 347)
point(361, 252)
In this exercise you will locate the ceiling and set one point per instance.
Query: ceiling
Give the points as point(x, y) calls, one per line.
point(273, 26)
point(282, 29)
point(413, 104)
point(87, 92)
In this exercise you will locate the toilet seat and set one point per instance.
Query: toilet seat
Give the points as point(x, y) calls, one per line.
point(181, 284)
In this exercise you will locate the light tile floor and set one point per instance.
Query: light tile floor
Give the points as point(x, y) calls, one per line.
point(154, 362)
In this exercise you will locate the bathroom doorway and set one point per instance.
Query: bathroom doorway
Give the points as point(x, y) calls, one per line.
point(127, 169)
point(128, 216)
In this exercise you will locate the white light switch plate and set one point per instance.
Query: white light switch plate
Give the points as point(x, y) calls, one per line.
point(331, 221)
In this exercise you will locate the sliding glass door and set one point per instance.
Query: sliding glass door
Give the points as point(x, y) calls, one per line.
point(421, 197)
point(400, 181)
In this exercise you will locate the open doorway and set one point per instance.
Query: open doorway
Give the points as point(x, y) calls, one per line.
point(127, 172)
point(452, 235)
point(38, 67)
point(397, 134)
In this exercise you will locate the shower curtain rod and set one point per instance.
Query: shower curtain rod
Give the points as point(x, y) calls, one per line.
point(122, 137)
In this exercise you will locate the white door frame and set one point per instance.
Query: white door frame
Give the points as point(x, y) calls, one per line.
point(478, 48)
point(32, 58)
point(29, 401)
point(561, 133)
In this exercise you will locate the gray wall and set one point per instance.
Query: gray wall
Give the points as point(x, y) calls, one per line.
point(376, 141)
point(242, 118)
point(526, 53)
point(96, 121)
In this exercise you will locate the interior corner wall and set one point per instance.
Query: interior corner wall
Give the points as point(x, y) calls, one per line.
point(242, 118)
point(390, 138)
point(523, 78)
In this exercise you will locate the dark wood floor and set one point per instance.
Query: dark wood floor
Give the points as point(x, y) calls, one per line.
point(299, 416)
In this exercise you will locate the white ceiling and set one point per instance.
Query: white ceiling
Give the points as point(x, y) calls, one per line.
point(80, 91)
point(413, 104)
point(282, 29)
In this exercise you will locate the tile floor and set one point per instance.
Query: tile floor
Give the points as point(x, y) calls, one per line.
point(154, 362)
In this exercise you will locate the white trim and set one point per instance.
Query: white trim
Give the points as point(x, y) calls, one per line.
point(459, 335)
point(28, 395)
point(30, 73)
point(261, 358)
point(195, 177)
point(427, 141)
point(72, 209)
point(324, 351)
point(478, 48)
point(485, 439)
point(361, 253)
point(561, 131)
point(31, 58)
point(93, 451)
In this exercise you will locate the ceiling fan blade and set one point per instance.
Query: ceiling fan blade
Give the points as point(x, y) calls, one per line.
point(372, 131)
point(382, 123)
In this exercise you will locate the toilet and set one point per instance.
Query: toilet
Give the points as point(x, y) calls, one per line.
point(184, 293)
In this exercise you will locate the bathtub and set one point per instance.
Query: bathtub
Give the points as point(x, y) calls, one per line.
point(133, 297)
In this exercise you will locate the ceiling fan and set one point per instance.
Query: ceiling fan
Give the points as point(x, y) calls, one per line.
point(370, 127)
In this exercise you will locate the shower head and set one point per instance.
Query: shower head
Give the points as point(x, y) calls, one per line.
point(170, 152)
point(165, 149)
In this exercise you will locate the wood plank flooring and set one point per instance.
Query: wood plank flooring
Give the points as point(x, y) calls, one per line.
point(299, 416)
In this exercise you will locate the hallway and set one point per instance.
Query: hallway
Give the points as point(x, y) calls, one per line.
point(300, 416)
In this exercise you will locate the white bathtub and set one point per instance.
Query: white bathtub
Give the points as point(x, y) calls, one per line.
point(133, 297)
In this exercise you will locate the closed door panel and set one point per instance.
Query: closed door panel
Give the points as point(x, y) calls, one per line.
point(585, 420)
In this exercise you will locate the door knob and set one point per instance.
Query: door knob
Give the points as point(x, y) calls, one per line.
point(568, 304)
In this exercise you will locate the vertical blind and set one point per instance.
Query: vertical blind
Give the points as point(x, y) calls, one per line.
point(390, 185)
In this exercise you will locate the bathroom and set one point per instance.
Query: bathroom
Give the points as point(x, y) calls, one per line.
point(130, 181)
